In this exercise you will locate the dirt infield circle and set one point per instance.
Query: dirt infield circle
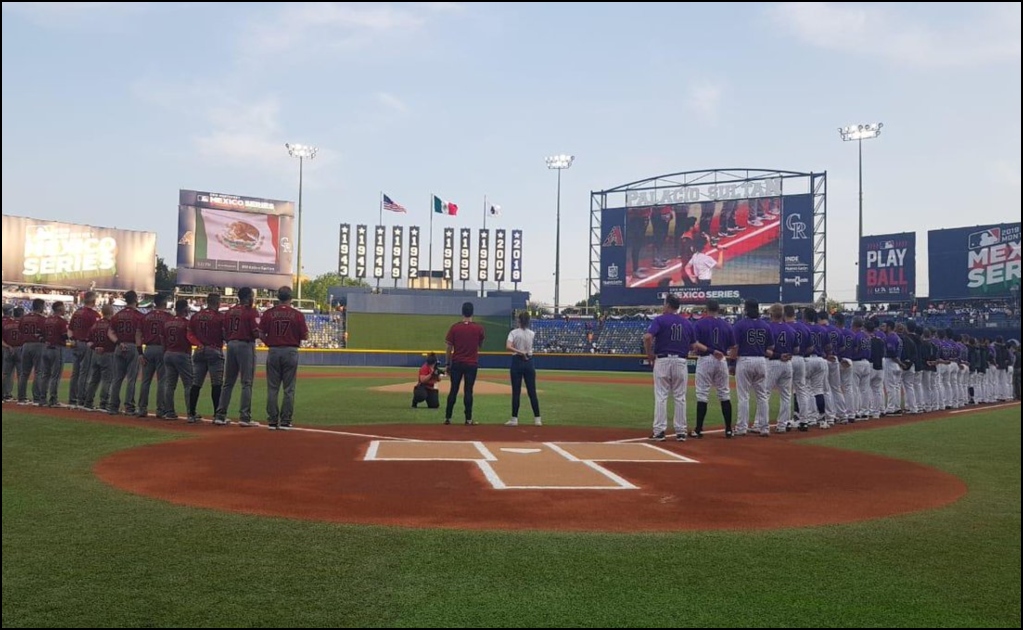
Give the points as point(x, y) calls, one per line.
point(526, 478)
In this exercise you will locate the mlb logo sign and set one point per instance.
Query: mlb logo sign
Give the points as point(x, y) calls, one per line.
point(986, 238)
point(887, 244)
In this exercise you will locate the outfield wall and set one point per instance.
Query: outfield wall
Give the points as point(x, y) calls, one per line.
point(488, 360)
point(417, 333)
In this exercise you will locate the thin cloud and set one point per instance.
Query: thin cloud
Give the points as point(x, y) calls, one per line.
point(70, 14)
point(312, 26)
point(704, 101)
point(991, 36)
point(391, 102)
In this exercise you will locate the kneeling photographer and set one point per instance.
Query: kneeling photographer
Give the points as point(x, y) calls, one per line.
point(426, 389)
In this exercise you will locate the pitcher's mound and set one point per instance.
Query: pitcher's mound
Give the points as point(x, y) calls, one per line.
point(482, 387)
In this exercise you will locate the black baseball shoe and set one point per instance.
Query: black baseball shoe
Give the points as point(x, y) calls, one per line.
point(658, 437)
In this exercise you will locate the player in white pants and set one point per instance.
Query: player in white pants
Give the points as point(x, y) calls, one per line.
point(753, 339)
point(668, 342)
point(892, 371)
point(779, 366)
point(714, 338)
point(816, 373)
point(860, 356)
point(877, 352)
point(850, 394)
point(908, 365)
point(834, 399)
point(800, 389)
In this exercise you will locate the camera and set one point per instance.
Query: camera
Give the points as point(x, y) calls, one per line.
point(439, 370)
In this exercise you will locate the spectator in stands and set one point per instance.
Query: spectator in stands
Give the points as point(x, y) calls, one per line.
point(426, 387)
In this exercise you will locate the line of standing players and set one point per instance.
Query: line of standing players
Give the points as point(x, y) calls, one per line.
point(111, 350)
point(825, 373)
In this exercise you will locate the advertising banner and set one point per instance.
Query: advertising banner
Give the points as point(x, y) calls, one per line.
point(888, 268)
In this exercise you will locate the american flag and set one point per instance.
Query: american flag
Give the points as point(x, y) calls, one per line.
point(391, 206)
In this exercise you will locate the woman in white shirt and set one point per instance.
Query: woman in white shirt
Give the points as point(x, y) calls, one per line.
point(520, 344)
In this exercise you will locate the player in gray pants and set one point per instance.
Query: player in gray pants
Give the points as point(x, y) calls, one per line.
point(100, 374)
point(12, 357)
point(152, 365)
point(80, 368)
point(32, 355)
point(176, 365)
point(53, 362)
point(281, 369)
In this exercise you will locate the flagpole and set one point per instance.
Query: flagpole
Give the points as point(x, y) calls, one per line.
point(484, 212)
point(429, 283)
point(381, 209)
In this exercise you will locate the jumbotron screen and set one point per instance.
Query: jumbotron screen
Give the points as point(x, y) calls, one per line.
point(727, 250)
point(226, 240)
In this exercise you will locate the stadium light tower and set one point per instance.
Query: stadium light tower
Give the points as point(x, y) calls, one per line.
point(859, 133)
point(558, 163)
point(303, 152)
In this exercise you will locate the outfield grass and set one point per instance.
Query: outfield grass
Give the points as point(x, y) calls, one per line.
point(79, 553)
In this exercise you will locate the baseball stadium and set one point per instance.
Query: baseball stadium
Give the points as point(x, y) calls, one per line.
point(708, 439)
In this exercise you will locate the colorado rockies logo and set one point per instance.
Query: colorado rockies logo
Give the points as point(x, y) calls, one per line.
point(796, 227)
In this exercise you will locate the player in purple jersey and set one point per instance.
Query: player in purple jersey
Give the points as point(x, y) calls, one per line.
point(892, 370)
point(850, 394)
point(801, 397)
point(668, 342)
point(715, 335)
point(753, 339)
point(860, 356)
point(833, 398)
point(779, 365)
point(816, 372)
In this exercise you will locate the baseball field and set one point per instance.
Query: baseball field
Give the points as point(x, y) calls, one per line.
point(372, 514)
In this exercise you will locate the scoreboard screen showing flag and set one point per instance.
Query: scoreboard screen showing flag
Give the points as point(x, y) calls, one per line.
point(413, 252)
point(344, 250)
point(499, 245)
point(483, 259)
point(360, 251)
point(449, 253)
point(396, 251)
point(465, 251)
point(379, 250)
point(516, 256)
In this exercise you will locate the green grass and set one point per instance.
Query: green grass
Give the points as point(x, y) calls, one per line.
point(79, 553)
point(420, 333)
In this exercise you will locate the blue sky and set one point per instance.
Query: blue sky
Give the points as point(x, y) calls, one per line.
point(110, 108)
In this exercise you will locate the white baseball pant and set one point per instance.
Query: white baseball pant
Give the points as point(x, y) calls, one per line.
point(929, 391)
point(892, 386)
point(836, 399)
point(909, 387)
point(712, 373)
point(671, 378)
point(800, 389)
point(861, 383)
point(849, 391)
point(876, 392)
point(779, 377)
point(751, 380)
point(816, 381)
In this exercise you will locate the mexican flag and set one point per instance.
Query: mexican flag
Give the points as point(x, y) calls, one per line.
point(444, 207)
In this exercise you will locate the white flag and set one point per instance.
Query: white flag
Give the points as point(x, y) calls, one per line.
point(495, 210)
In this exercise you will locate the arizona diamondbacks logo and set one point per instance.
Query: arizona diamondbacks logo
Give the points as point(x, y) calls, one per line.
point(614, 238)
point(796, 227)
point(187, 238)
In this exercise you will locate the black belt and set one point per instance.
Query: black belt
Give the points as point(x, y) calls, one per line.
point(241, 340)
point(774, 359)
point(670, 356)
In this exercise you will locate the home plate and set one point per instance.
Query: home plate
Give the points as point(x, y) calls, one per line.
point(521, 451)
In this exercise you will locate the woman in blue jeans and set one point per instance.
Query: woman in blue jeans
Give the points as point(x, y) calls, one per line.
point(520, 344)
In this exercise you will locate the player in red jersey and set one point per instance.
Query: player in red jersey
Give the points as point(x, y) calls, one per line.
point(126, 333)
point(207, 327)
point(55, 338)
point(12, 348)
point(177, 357)
point(283, 329)
point(32, 327)
point(102, 348)
point(82, 322)
point(152, 357)
point(241, 328)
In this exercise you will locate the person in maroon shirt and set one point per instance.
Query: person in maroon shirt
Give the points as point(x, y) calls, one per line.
point(426, 388)
point(32, 328)
point(464, 341)
point(12, 348)
point(241, 328)
point(207, 327)
point(126, 332)
point(283, 329)
point(152, 356)
point(100, 371)
point(82, 322)
point(55, 332)
point(177, 358)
